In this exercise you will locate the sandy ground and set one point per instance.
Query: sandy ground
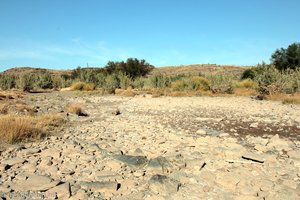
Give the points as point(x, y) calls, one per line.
point(160, 148)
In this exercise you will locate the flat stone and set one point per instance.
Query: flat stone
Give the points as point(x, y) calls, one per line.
point(13, 161)
point(54, 153)
point(163, 185)
point(158, 164)
point(62, 191)
point(201, 132)
point(136, 161)
point(34, 183)
point(29, 151)
point(4, 167)
point(101, 186)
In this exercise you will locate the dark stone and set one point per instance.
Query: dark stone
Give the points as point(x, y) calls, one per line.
point(136, 161)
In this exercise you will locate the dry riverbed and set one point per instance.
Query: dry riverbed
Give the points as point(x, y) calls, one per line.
point(159, 148)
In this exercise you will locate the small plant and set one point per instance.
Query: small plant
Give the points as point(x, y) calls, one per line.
point(221, 82)
point(83, 86)
point(76, 109)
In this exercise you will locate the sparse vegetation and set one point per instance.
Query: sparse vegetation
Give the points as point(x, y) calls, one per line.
point(22, 128)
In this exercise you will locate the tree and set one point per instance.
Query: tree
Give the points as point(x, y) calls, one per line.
point(132, 67)
point(289, 58)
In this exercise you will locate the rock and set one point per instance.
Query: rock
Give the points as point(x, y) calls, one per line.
point(201, 132)
point(228, 180)
point(163, 185)
point(159, 165)
point(254, 125)
point(4, 167)
point(80, 195)
point(34, 183)
point(54, 153)
point(13, 161)
point(62, 191)
point(101, 186)
point(277, 143)
point(29, 151)
point(135, 161)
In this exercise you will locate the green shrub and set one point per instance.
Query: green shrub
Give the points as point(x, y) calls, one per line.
point(248, 74)
point(159, 81)
point(139, 82)
point(112, 82)
point(125, 81)
point(7, 82)
point(221, 82)
point(198, 83)
point(272, 81)
point(26, 82)
point(179, 85)
point(44, 81)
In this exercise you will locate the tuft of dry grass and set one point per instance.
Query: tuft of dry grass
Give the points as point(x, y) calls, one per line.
point(76, 108)
point(83, 86)
point(125, 93)
point(21, 128)
point(285, 98)
point(244, 92)
point(247, 83)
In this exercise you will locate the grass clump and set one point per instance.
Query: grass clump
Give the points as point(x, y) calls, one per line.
point(23, 128)
point(76, 108)
point(83, 86)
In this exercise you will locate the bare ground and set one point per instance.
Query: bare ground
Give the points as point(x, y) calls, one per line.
point(161, 148)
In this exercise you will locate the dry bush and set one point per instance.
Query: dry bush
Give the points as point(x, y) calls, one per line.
point(247, 83)
point(83, 86)
point(156, 93)
point(21, 128)
point(244, 92)
point(4, 108)
point(128, 93)
point(285, 98)
point(76, 109)
point(183, 93)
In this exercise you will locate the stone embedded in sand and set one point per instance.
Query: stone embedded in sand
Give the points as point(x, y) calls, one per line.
point(136, 161)
point(29, 151)
point(158, 164)
point(163, 185)
point(107, 186)
point(34, 183)
point(201, 132)
point(62, 191)
point(13, 161)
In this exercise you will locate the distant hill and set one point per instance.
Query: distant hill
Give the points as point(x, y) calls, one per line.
point(17, 71)
point(168, 70)
point(199, 69)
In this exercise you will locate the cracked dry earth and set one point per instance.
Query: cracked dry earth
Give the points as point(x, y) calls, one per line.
point(159, 148)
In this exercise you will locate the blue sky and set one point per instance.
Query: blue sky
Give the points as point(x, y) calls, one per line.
point(61, 34)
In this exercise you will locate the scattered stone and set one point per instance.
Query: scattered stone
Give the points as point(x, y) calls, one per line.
point(136, 161)
point(13, 161)
point(201, 132)
point(163, 185)
point(159, 164)
point(62, 191)
point(34, 183)
point(101, 186)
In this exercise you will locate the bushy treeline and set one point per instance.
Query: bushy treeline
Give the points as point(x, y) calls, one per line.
point(271, 80)
point(113, 75)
